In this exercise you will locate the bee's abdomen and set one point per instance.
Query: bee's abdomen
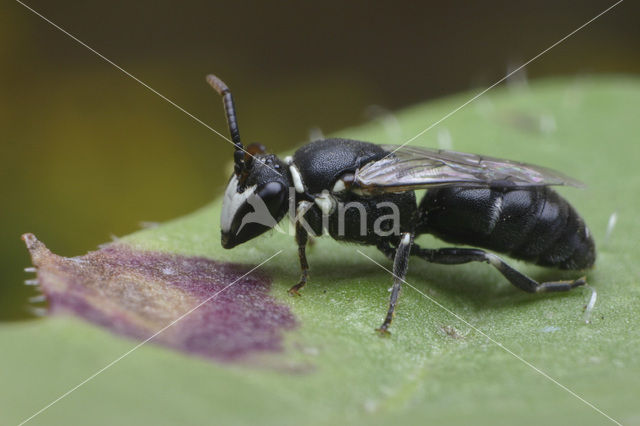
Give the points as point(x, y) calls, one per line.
point(533, 224)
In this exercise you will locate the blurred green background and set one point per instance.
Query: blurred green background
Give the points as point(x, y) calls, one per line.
point(87, 153)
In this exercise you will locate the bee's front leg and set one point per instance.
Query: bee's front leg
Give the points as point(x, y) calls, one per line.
point(301, 238)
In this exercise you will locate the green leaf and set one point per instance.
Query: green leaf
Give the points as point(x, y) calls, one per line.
point(434, 367)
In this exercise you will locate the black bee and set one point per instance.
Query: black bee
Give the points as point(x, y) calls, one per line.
point(361, 192)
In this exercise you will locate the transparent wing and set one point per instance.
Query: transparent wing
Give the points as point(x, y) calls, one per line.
point(411, 167)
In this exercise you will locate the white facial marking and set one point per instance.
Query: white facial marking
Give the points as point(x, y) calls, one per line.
point(288, 159)
point(297, 179)
point(325, 201)
point(232, 201)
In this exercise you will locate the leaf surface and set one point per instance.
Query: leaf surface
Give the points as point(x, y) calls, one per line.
point(434, 367)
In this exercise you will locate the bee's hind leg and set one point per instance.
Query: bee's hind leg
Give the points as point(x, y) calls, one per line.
point(456, 256)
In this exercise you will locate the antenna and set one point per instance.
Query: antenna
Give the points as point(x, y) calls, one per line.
point(232, 120)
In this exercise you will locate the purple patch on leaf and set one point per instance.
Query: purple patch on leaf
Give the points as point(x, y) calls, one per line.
point(145, 294)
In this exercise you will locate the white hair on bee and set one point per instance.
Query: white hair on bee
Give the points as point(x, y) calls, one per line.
point(445, 141)
point(588, 309)
point(30, 269)
point(31, 282)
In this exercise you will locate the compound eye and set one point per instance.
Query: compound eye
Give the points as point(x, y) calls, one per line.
point(272, 194)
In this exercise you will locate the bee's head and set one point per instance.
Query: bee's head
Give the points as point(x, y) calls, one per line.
point(255, 200)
